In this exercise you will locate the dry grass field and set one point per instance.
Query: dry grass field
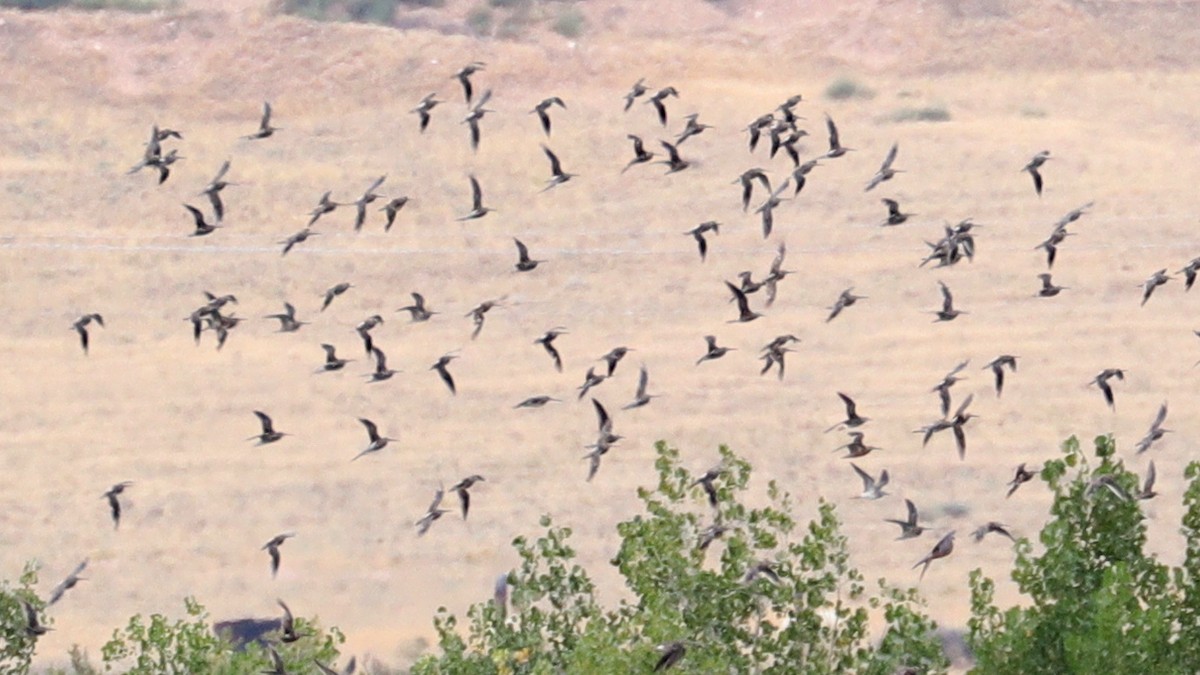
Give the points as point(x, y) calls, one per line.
point(77, 234)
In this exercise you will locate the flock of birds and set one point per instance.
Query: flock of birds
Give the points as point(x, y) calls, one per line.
point(778, 130)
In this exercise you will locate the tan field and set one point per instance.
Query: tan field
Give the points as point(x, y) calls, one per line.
point(78, 235)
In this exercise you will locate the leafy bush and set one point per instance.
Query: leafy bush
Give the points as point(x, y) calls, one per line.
point(845, 88)
point(1099, 603)
point(773, 600)
point(569, 23)
point(929, 113)
point(16, 645)
point(480, 20)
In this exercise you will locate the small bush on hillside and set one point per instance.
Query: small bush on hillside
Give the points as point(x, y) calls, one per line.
point(845, 88)
point(765, 594)
point(929, 113)
point(1098, 602)
point(569, 23)
point(480, 20)
point(120, 5)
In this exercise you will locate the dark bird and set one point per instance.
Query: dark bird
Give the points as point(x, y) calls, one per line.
point(547, 342)
point(557, 175)
point(746, 180)
point(1157, 279)
point(542, 110)
point(1051, 244)
point(657, 100)
point(425, 108)
point(908, 527)
point(590, 379)
point(1156, 431)
point(464, 76)
point(997, 365)
point(268, 435)
point(1109, 483)
point(942, 549)
point(33, 626)
point(674, 161)
point(960, 419)
point(299, 237)
point(478, 210)
point(835, 144)
point(776, 273)
point(872, 488)
point(113, 504)
point(472, 119)
point(846, 299)
point(460, 488)
point(1049, 289)
point(672, 653)
point(613, 357)
point(1147, 489)
point(431, 514)
point(947, 313)
point(364, 331)
point(895, 216)
point(80, 326)
point(68, 583)
point(524, 262)
point(640, 154)
point(1189, 271)
point(856, 447)
point(640, 397)
point(637, 90)
point(324, 205)
point(381, 372)
point(443, 372)
point(1020, 477)
point(213, 191)
point(332, 362)
point(153, 152)
point(287, 625)
point(535, 402)
point(477, 315)
point(377, 442)
point(202, 227)
point(853, 419)
point(264, 126)
point(943, 388)
point(287, 319)
point(755, 129)
point(773, 355)
point(710, 534)
point(360, 204)
point(989, 528)
point(692, 128)
point(418, 310)
point(277, 665)
point(1101, 381)
point(334, 291)
point(697, 233)
point(391, 209)
point(714, 352)
point(706, 481)
point(744, 313)
point(163, 164)
point(1033, 166)
point(768, 208)
point(272, 549)
point(886, 172)
point(800, 174)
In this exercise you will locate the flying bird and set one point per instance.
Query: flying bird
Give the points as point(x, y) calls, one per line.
point(425, 108)
point(478, 314)
point(613, 357)
point(673, 161)
point(697, 233)
point(461, 487)
point(640, 397)
point(542, 110)
point(431, 514)
point(640, 154)
point(886, 172)
point(1147, 489)
point(557, 175)
point(997, 365)
point(800, 174)
point(478, 210)
point(672, 653)
point(114, 504)
point(895, 216)
point(942, 549)
point(768, 208)
point(943, 388)
point(443, 372)
point(417, 310)
point(692, 128)
point(324, 205)
point(202, 227)
point(269, 434)
point(590, 379)
point(1101, 381)
point(265, 129)
point(287, 319)
point(989, 528)
point(33, 625)
point(332, 362)
point(80, 326)
point(272, 549)
point(213, 191)
point(360, 204)
point(1157, 279)
point(637, 90)
point(391, 209)
point(364, 331)
point(1020, 477)
point(1033, 166)
point(377, 442)
point(714, 352)
point(908, 527)
point(464, 76)
point(547, 342)
point(947, 313)
point(872, 488)
point(476, 113)
point(535, 402)
point(297, 238)
point(381, 372)
point(657, 100)
point(835, 144)
point(1049, 289)
point(68, 583)
point(856, 447)
point(1156, 431)
point(524, 262)
point(744, 313)
point(334, 291)
point(853, 419)
point(746, 180)
point(846, 299)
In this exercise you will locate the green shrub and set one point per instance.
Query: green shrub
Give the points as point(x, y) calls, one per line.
point(1097, 601)
point(929, 113)
point(765, 597)
point(569, 23)
point(479, 20)
point(845, 88)
point(16, 645)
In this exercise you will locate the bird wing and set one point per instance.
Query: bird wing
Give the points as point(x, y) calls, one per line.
point(372, 430)
point(833, 133)
point(522, 250)
point(266, 116)
point(850, 406)
point(912, 512)
point(476, 193)
point(891, 157)
point(267, 427)
point(605, 422)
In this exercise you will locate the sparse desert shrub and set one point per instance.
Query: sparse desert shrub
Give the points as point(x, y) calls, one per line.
point(1098, 602)
point(929, 113)
point(569, 23)
point(480, 20)
point(845, 88)
point(508, 4)
point(766, 594)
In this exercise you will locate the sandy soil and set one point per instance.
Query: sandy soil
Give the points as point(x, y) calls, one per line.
point(78, 235)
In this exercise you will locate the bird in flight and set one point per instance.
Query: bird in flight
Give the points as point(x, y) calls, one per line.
point(1101, 381)
point(417, 310)
point(895, 216)
point(853, 419)
point(272, 549)
point(657, 100)
point(872, 488)
point(547, 342)
point(542, 110)
point(1020, 477)
point(835, 144)
point(886, 172)
point(744, 313)
point(476, 113)
point(268, 435)
point(637, 90)
point(1033, 166)
point(377, 442)
point(360, 204)
point(332, 362)
point(997, 365)
point(908, 527)
point(265, 129)
point(464, 77)
point(202, 227)
point(846, 299)
point(698, 232)
point(1156, 431)
point(68, 583)
point(334, 291)
point(114, 504)
point(424, 109)
point(524, 262)
point(942, 549)
point(443, 372)
point(80, 326)
point(1157, 279)
point(478, 210)
point(287, 320)
point(431, 514)
point(640, 397)
point(1049, 289)
point(461, 487)
point(640, 154)
point(557, 175)
point(948, 312)
point(714, 352)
